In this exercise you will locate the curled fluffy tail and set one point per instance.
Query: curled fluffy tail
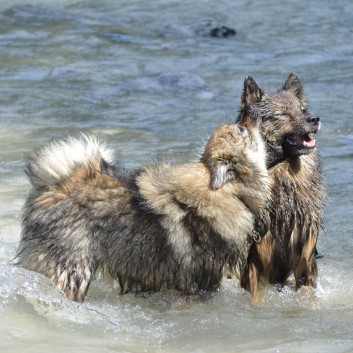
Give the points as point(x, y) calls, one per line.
point(56, 160)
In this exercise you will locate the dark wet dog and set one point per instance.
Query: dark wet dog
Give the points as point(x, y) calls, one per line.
point(298, 192)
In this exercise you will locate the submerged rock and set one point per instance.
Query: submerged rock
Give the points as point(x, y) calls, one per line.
point(203, 28)
point(213, 29)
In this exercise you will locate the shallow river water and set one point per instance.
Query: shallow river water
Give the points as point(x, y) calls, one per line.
point(145, 78)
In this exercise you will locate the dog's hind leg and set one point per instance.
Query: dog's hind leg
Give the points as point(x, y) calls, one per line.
point(74, 279)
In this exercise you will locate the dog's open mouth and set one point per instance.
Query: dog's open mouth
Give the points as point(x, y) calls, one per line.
point(306, 141)
point(296, 145)
point(292, 146)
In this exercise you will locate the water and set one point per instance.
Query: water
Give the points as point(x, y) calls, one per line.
point(137, 75)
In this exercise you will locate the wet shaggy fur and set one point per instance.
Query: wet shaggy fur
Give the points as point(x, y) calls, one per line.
point(152, 228)
point(298, 193)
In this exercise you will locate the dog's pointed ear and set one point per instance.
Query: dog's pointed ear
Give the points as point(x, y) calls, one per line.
point(221, 174)
point(293, 84)
point(251, 95)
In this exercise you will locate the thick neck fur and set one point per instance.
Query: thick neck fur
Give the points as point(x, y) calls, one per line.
point(302, 188)
point(172, 190)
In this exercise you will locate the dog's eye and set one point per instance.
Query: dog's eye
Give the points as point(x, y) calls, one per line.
point(303, 109)
point(242, 131)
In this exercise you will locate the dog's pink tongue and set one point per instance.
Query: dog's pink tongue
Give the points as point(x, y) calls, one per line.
point(308, 142)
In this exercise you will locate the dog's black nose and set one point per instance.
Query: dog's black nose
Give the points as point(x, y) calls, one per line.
point(313, 120)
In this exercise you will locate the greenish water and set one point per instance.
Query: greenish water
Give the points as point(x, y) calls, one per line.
point(138, 75)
